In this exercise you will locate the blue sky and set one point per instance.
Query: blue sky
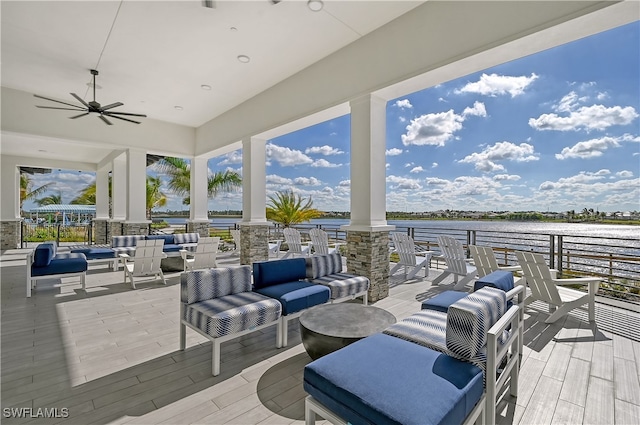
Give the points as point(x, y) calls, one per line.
point(557, 131)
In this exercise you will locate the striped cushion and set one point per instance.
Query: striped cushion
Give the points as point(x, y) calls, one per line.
point(469, 320)
point(180, 238)
point(232, 313)
point(201, 285)
point(126, 241)
point(342, 284)
point(322, 265)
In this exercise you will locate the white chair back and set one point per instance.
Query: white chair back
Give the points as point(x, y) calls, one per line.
point(235, 234)
point(405, 248)
point(484, 259)
point(320, 241)
point(147, 258)
point(453, 253)
point(206, 252)
point(294, 242)
point(539, 277)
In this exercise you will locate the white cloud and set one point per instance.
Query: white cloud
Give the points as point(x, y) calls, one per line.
point(323, 150)
point(434, 181)
point(403, 183)
point(275, 179)
point(438, 128)
point(494, 85)
point(417, 169)
point(323, 163)
point(602, 96)
point(231, 158)
point(625, 174)
point(403, 104)
point(306, 181)
point(434, 165)
point(393, 152)
point(486, 160)
point(594, 148)
point(572, 182)
point(594, 117)
point(408, 164)
point(286, 157)
point(344, 183)
point(507, 177)
point(402, 119)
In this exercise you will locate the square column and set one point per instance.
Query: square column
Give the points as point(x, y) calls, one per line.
point(10, 220)
point(199, 196)
point(254, 227)
point(137, 186)
point(101, 221)
point(118, 195)
point(368, 232)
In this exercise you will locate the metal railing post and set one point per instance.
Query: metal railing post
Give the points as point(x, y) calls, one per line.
point(560, 249)
point(552, 251)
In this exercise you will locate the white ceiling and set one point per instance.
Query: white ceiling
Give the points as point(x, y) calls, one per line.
point(155, 55)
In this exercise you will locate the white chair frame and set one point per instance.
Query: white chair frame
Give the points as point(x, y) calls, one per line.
point(294, 241)
point(410, 257)
point(457, 263)
point(320, 242)
point(145, 262)
point(203, 257)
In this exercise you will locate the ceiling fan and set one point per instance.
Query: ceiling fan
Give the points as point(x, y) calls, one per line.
point(92, 107)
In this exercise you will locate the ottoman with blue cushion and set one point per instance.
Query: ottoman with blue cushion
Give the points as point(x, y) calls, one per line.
point(386, 380)
point(284, 280)
point(96, 254)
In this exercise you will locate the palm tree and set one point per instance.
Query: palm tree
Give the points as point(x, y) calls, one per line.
point(50, 200)
point(155, 198)
point(179, 173)
point(288, 208)
point(27, 191)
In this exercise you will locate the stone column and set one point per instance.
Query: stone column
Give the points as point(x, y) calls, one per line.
point(199, 206)
point(254, 228)
point(10, 231)
point(10, 221)
point(136, 222)
point(368, 232)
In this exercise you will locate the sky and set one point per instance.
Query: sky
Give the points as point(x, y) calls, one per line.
point(554, 131)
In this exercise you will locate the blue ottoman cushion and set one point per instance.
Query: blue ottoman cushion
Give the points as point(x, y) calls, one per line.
point(499, 279)
point(95, 253)
point(171, 248)
point(443, 301)
point(62, 263)
point(296, 296)
point(434, 389)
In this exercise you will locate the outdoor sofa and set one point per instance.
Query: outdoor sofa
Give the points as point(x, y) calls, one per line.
point(172, 243)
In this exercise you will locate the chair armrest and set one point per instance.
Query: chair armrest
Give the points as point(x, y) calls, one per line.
point(125, 256)
point(510, 268)
point(577, 280)
point(184, 253)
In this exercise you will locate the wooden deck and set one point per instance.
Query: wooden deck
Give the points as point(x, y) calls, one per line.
point(110, 355)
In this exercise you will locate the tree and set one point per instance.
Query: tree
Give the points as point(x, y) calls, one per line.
point(27, 191)
point(50, 200)
point(288, 208)
point(179, 173)
point(155, 198)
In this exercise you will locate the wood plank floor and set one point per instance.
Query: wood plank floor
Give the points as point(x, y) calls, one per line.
point(111, 355)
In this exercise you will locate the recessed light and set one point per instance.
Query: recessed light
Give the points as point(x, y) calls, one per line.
point(205, 87)
point(179, 108)
point(244, 58)
point(315, 5)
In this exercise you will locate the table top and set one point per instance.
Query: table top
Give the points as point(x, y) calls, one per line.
point(346, 320)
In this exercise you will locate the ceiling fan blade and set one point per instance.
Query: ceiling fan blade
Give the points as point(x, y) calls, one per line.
point(113, 105)
point(80, 100)
point(124, 119)
point(124, 113)
point(64, 109)
point(78, 116)
point(106, 121)
point(58, 101)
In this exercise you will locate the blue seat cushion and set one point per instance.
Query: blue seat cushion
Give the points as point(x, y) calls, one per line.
point(296, 296)
point(266, 273)
point(95, 253)
point(168, 239)
point(386, 380)
point(499, 279)
point(62, 263)
point(171, 248)
point(43, 254)
point(443, 301)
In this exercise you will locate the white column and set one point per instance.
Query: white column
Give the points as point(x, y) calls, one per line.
point(102, 194)
point(199, 208)
point(119, 188)
point(253, 180)
point(368, 176)
point(137, 186)
point(10, 184)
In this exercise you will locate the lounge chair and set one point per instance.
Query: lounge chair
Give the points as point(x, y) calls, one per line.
point(204, 256)
point(457, 264)
point(294, 241)
point(145, 261)
point(320, 242)
point(410, 257)
point(485, 261)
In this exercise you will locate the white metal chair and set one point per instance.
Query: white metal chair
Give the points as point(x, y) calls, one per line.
point(457, 264)
point(485, 261)
point(545, 287)
point(235, 234)
point(204, 256)
point(320, 242)
point(410, 257)
point(294, 241)
point(145, 262)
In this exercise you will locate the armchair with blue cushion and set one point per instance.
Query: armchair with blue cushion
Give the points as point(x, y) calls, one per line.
point(45, 263)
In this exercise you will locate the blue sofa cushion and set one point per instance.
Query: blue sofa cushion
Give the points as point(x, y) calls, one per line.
point(386, 380)
point(499, 279)
point(296, 296)
point(62, 263)
point(171, 248)
point(442, 301)
point(43, 254)
point(168, 239)
point(95, 253)
point(267, 273)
